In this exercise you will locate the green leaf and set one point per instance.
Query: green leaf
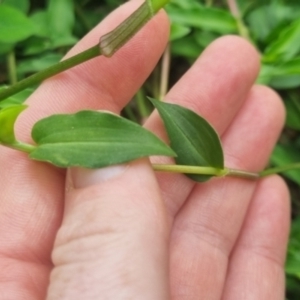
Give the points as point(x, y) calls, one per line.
point(93, 140)
point(292, 266)
point(193, 139)
point(266, 18)
point(283, 75)
point(61, 18)
point(22, 5)
point(14, 25)
point(8, 117)
point(187, 47)
point(292, 106)
point(178, 31)
point(40, 19)
point(204, 38)
point(287, 45)
point(6, 48)
point(208, 18)
point(285, 155)
point(16, 99)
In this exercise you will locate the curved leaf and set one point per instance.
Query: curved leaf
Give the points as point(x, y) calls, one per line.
point(14, 25)
point(207, 18)
point(93, 139)
point(286, 46)
point(8, 117)
point(193, 139)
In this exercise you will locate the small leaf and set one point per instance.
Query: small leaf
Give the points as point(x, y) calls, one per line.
point(287, 45)
point(193, 139)
point(8, 117)
point(208, 18)
point(93, 140)
point(22, 5)
point(187, 47)
point(14, 25)
point(61, 18)
point(285, 155)
point(178, 31)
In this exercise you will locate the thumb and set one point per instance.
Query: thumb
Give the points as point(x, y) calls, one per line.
point(113, 242)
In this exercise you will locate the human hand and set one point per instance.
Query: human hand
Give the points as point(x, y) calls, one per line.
point(126, 233)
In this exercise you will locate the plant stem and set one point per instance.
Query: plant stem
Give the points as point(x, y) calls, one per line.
point(141, 104)
point(27, 148)
point(165, 70)
point(205, 171)
point(242, 174)
point(190, 170)
point(51, 71)
point(279, 169)
point(242, 28)
point(11, 66)
point(84, 21)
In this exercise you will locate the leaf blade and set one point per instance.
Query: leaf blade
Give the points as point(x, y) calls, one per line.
point(192, 147)
point(14, 25)
point(93, 140)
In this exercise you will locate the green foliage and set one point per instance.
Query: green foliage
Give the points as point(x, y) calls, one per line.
point(14, 25)
point(93, 139)
point(192, 138)
point(38, 34)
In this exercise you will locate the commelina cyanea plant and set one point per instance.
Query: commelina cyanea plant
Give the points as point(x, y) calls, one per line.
point(93, 139)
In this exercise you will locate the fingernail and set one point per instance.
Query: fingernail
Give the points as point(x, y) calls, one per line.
point(81, 177)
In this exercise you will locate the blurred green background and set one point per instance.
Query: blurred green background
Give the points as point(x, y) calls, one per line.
point(36, 34)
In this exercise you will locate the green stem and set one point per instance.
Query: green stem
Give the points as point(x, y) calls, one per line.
point(190, 170)
point(205, 171)
point(114, 40)
point(130, 114)
point(141, 104)
point(51, 71)
point(108, 45)
point(27, 148)
point(242, 28)
point(279, 169)
point(242, 174)
point(11, 66)
point(84, 21)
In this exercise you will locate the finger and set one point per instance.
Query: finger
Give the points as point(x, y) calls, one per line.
point(207, 227)
point(256, 269)
point(32, 193)
point(113, 243)
point(215, 87)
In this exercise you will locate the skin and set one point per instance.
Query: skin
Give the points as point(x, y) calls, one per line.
point(127, 233)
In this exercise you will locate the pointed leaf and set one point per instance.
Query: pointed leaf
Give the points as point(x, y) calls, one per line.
point(207, 18)
point(286, 46)
point(192, 138)
point(93, 140)
point(285, 155)
point(8, 117)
